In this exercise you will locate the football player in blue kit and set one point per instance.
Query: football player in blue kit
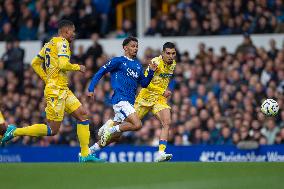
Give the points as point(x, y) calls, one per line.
point(126, 74)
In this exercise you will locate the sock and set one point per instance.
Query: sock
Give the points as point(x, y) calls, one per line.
point(1, 137)
point(162, 145)
point(114, 129)
point(83, 133)
point(34, 130)
point(95, 148)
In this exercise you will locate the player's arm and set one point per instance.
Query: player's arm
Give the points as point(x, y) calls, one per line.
point(64, 57)
point(167, 93)
point(65, 65)
point(108, 67)
point(146, 79)
point(37, 65)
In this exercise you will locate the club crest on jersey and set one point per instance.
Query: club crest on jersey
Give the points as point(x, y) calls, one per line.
point(132, 73)
point(172, 67)
point(64, 45)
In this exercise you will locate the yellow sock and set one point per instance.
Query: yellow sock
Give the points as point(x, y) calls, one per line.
point(33, 130)
point(83, 133)
point(1, 137)
point(162, 145)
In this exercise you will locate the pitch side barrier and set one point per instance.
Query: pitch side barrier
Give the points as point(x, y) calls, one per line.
point(128, 153)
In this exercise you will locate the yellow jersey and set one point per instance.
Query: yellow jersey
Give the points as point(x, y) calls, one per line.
point(2, 120)
point(160, 81)
point(56, 58)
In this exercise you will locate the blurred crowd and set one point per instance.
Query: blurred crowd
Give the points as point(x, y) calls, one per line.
point(217, 17)
point(38, 19)
point(216, 98)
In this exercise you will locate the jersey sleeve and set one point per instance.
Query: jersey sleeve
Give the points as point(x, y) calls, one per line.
point(154, 60)
point(146, 79)
point(63, 54)
point(41, 54)
point(37, 64)
point(108, 67)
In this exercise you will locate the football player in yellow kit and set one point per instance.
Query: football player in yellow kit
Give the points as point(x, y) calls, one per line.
point(2, 125)
point(154, 99)
point(56, 58)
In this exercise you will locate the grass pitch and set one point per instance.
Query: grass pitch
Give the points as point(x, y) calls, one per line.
point(142, 176)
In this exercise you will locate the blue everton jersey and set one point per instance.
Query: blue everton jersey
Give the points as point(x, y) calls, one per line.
point(126, 75)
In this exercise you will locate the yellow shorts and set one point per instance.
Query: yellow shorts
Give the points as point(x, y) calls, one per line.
point(143, 106)
point(2, 120)
point(59, 101)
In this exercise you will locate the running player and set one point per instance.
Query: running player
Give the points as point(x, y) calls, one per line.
point(56, 57)
point(2, 125)
point(154, 99)
point(126, 74)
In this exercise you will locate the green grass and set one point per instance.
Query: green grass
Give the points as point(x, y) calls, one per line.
point(142, 176)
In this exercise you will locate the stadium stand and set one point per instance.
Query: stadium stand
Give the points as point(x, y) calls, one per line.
point(216, 98)
point(193, 17)
point(23, 19)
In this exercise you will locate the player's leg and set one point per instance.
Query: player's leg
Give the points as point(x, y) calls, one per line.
point(55, 105)
point(54, 114)
point(75, 108)
point(164, 117)
point(126, 115)
point(83, 131)
point(120, 115)
point(97, 146)
point(162, 112)
point(140, 108)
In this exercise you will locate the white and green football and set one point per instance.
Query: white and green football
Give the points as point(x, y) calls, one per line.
point(270, 107)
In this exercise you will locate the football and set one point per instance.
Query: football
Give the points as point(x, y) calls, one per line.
point(270, 107)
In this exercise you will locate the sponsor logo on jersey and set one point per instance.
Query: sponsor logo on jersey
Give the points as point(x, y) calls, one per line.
point(132, 73)
point(166, 75)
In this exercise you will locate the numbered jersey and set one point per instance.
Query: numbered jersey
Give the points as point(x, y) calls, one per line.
point(160, 81)
point(50, 53)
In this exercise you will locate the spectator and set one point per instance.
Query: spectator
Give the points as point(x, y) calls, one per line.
point(246, 48)
point(270, 131)
point(153, 29)
point(28, 31)
point(7, 33)
point(272, 53)
point(96, 49)
point(225, 137)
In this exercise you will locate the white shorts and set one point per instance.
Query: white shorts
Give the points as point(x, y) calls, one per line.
point(122, 110)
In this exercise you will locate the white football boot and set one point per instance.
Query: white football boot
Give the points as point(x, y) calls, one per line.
point(162, 156)
point(107, 124)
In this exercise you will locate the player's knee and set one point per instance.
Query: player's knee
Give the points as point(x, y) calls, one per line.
point(166, 123)
point(83, 115)
point(54, 131)
point(116, 137)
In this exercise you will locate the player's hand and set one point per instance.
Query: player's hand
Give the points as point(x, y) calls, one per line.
point(167, 93)
point(153, 66)
point(82, 68)
point(91, 95)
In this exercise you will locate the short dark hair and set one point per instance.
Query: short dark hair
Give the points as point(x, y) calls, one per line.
point(65, 23)
point(169, 45)
point(128, 40)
